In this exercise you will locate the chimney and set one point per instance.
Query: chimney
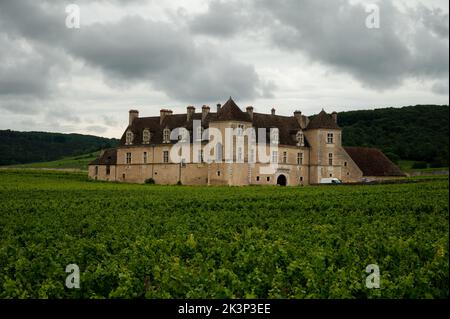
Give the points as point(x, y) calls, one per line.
point(205, 111)
point(162, 114)
point(298, 116)
point(190, 110)
point(218, 107)
point(133, 114)
point(334, 116)
point(250, 111)
point(273, 111)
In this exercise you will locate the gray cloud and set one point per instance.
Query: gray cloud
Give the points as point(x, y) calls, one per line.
point(136, 50)
point(223, 18)
point(334, 33)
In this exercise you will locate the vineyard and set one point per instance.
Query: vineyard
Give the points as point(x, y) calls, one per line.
point(150, 241)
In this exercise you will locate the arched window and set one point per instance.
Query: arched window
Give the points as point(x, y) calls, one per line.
point(146, 136)
point(129, 138)
point(166, 135)
point(300, 137)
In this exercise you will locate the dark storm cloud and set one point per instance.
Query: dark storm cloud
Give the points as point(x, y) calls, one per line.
point(136, 50)
point(223, 18)
point(413, 44)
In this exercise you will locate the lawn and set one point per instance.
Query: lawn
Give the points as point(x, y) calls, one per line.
point(150, 241)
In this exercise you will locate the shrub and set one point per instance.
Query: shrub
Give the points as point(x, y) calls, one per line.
point(150, 181)
point(419, 165)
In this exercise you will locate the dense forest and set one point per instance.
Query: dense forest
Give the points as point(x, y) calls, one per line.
point(29, 147)
point(418, 133)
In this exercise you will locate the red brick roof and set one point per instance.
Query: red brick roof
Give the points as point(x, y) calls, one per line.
point(373, 162)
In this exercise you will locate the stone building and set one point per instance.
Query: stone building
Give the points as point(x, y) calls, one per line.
point(306, 150)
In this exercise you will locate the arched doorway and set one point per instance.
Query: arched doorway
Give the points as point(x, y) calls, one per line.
point(281, 180)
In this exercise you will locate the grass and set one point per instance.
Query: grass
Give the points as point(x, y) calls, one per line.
point(407, 166)
point(79, 162)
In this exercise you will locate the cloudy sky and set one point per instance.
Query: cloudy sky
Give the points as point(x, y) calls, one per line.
point(149, 54)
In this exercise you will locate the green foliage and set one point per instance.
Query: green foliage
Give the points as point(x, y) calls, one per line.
point(33, 147)
point(150, 181)
point(418, 133)
point(131, 241)
point(419, 165)
point(79, 162)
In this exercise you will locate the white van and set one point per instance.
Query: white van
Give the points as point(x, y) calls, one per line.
point(331, 180)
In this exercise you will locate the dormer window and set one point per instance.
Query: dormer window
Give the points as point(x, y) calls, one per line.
point(274, 136)
point(146, 136)
point(166, 135)
point(199, 133)
point(240, 129)
point(129, 138)
point(300, 137)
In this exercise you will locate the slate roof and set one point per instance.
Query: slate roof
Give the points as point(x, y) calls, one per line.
point(287, 125)
point(373, 162)
point(322, 120)
point(109, 157)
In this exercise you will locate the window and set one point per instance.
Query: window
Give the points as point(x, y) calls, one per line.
point(301, 178)
point(128, 158)
point(299, 158)
point(218, 152)
point(200, 156)
point(96, 170)
point(300, 138)
point(345, 164)
point(146, 136)
point(183, 162)
point(199, 133)
point(274, 157)
point(252, 156)
point(166, 156)
point(108, 170)
point(218, 173)
point(268, 178)
point(239, 157)
point(330, 159)
point(129, 138)
point(123, 176)
point(240, 129)
point(257, 178)
point(145, 157)
point(166, 135)
point(284, 157)
point(274, 136)
point(330, 138)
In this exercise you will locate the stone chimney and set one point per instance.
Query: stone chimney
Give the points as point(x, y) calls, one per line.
point(299, 117)
point(218, 107)
point(133, 114)
point(273, 111)
point(190, 110)
point(205, 111)
point(334, 116)
point(163, 113)
point(250, 111)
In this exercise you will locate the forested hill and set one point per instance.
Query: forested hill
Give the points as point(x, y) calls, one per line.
point(418, 133)
point(29, 147)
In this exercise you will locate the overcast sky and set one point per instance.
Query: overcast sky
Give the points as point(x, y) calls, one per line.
point(147, 54)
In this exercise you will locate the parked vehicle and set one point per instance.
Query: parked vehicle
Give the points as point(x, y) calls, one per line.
point(331, 180)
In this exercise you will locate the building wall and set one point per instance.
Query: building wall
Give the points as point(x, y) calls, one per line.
point(314, 166)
